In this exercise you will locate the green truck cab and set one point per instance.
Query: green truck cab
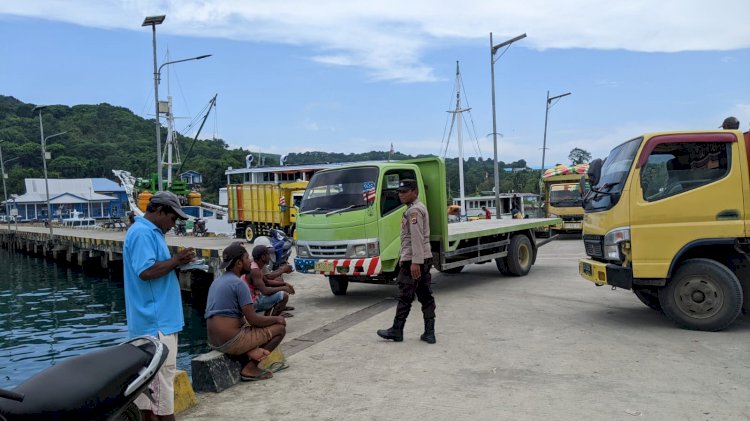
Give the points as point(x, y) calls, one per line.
point(349, 222)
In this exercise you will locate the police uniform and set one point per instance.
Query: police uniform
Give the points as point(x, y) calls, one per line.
point(415, 248)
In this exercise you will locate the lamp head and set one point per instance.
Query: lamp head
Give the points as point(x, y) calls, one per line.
point(153, 20)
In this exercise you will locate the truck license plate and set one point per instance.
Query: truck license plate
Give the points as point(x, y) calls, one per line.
point(324, 266)
point(573, 226)
point(586, 268)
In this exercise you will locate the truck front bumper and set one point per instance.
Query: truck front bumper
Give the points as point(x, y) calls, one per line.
point(606, 273)
point(347, 267)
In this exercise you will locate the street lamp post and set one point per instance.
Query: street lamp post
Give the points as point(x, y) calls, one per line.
point(546, 114)
point(44, 164)
point(153, 21)
point(5, 192)
point(493, 50)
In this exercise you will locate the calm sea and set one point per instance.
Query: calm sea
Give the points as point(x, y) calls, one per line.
point(50, 312)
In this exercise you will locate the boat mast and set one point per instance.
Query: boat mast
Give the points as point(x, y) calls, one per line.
point(457, 117)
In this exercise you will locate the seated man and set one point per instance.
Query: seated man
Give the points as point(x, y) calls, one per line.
point(270, 293)
point(234, 327)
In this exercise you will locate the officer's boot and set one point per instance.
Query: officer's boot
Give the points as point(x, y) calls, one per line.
point(396, 332)
point(429, 331)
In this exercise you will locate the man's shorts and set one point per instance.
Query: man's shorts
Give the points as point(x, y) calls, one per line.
point(246, 340)
point(265, 302)
point(162, 387)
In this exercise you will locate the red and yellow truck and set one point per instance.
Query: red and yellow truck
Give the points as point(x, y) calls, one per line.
point(668, 217)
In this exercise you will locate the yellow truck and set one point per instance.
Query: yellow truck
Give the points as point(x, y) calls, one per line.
point(562, 199)
point(667, 216)
point(256, 208)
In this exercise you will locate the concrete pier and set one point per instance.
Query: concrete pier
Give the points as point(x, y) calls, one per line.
point(101, 248)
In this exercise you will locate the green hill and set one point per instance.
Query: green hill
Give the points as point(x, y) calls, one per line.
point(103, 137)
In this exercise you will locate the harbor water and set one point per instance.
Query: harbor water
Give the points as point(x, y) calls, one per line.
point(50, 312)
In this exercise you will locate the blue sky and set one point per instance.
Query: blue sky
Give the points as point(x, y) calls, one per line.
point(353, 76)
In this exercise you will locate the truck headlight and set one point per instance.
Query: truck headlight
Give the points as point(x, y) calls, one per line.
point(612, 242)
point(368, 249)
point(360, 250)
point(302, 251)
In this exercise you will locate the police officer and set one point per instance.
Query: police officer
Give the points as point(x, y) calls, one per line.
point(414, 271)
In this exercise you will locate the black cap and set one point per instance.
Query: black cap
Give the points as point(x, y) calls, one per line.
point(167, 198)
point(230, 254)
point(730, 123)
point(407, 184)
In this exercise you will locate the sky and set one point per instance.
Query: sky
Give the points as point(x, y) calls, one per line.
point(355, 75)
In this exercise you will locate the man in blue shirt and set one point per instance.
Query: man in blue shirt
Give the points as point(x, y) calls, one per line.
point(153, 304)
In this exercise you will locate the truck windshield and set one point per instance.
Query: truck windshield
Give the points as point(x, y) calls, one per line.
point(568, 198)
point(346, 189)
point(614, 172)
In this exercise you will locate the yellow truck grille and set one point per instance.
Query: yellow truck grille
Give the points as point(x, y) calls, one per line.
point(594, 246)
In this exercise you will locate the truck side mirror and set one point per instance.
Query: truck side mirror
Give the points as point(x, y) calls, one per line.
point(594, 172)
point(582, 185)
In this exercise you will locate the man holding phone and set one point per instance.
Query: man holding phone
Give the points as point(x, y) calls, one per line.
point(153, 304)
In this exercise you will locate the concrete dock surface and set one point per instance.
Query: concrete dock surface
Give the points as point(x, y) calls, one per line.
point(546, 346)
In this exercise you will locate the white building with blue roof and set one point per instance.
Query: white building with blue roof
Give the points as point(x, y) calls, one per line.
point(90, 197)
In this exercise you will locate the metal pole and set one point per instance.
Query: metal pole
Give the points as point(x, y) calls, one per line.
point(494, 131)
point(5, 192)
point(544, 145)
point(156, 116)
point(46, 181)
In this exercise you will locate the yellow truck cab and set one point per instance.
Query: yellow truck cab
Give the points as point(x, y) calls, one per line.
point(667, 217)
point(562, 199)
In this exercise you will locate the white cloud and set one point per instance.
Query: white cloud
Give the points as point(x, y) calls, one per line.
point(388, 38)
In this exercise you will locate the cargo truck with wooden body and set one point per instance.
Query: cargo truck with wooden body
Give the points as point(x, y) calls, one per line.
point(266, 197)
point(667, 216)
point(349, 224)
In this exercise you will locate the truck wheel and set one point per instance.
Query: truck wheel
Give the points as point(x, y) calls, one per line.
point(702, 295)
point(250, 233)
point(649, 297)
point(502, 265)
point(338, 284)
point(456, 269)
point(520, 255)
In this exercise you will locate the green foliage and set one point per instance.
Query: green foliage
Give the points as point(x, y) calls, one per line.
point(104, 137)
point(579, 156)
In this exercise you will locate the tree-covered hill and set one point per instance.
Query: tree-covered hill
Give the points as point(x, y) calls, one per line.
point(104, 137)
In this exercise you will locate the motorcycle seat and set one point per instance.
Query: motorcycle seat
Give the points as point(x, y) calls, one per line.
point(88, 386)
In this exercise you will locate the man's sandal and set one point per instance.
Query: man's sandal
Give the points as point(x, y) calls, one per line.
point(277, 366)
point(264, 375)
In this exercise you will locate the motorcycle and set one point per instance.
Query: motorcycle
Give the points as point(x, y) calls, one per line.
point(179, 227)
point(199, 228)
point(100, 385)
point(281, 244)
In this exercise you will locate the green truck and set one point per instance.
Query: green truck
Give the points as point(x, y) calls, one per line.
point(350, 217)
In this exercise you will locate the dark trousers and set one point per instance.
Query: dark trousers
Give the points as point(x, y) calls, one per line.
point(409, 287)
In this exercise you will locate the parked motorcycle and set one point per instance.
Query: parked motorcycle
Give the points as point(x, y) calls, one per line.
point(199, 228)
point(282, 245)
point(100, 385)
point(179, 227)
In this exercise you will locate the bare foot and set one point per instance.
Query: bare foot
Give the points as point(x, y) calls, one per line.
point(258, 354)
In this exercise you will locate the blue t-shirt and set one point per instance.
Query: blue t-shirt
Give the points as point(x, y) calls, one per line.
point(227, 295)
point(150, 306)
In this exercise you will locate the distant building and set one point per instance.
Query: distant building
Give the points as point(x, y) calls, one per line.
point(90, 197)
point(192, 178)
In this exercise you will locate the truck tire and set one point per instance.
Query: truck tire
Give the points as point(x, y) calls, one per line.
point(338, 284)
point(702, 295)
point(649, 297)
point(520, 255)
point(502, 265)
point(130, 413)
point(250, 233)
